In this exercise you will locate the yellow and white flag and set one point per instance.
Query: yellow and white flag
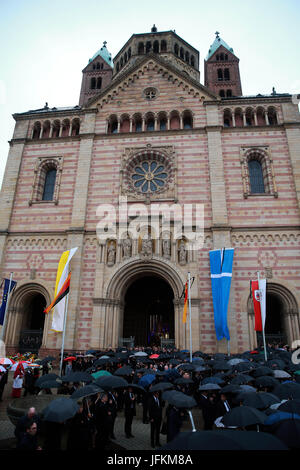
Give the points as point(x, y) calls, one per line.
point(62, 274)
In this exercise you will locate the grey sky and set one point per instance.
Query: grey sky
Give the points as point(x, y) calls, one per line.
point(46, 44)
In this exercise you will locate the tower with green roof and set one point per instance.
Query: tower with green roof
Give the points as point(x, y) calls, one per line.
point(221, 69)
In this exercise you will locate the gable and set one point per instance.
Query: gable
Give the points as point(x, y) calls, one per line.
point(150, 69)
point(222, 50)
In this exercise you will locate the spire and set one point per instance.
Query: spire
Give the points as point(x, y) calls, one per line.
point(103, 52)
point(216, 44)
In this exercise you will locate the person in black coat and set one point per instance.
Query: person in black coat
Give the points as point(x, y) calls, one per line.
point(24, 421)
point(155, 415)
point(28, 440)
point(102, 417)
point(3, 382)
point(174, 422)
point(130, 411)
point(113, 408)
point(208, 407)
point(79, 437)
point(222, 406)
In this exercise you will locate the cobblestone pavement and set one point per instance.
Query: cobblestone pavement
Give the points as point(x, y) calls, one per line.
point(141, 431)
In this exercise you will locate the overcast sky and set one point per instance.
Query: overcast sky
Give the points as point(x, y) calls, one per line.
point(46, 44)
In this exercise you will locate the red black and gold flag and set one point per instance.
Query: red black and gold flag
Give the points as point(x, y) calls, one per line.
point(62, 293)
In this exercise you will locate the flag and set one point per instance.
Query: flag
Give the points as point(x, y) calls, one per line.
point(62, 293)
point(61, 277)
point(185, 302)
point(221, 273)
point(258, 289)
point(4, 298)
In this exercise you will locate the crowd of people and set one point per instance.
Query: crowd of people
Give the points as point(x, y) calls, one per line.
point(148, 373)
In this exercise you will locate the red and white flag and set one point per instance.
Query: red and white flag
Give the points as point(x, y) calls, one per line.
point(258, 289)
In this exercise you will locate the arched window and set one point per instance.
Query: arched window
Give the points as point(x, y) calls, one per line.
point(99, 82)
point(187, 120)
point(256, 177)
point(125, 57)
point(36, 130)
point(220, 74)
point(222, 93)
point(163, 46)
point(187, 57)
point(118, 66)
point(181, 53)
point(192, 61)
point(98, 66)
point(221, 56)
point(129, 53)
point(141, 48)
point(176, 49)
point(217, 57)
point(93, 83)
point(148, 46)
point(49, 185)
point(156, 46)
point(226, 74)
point(228, 93)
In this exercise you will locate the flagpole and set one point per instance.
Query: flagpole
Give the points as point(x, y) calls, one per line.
point(190, 315)
point(263, 326)
point(64, 334)
point(5, 316)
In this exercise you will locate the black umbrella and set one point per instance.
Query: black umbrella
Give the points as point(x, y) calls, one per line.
point(187, 367)
point(179, 399)
point(60, 410)
point(108, 382)
point(252, 440)
point(287, 390)
point(288, 431)
point(86, 391)
point(243, 416)
point(202, 440)
point(161, 387)
point(262, 371)
point(182, 381)
point(77, 377)
point(230, 389)
point(266, 381)
point(136, 388)
point(241, 379)
point(258, 400)
point(243, 367)
point(221, 366)
point(126, 370)
point(46, 377)
point(291, 406)
point(47, 384)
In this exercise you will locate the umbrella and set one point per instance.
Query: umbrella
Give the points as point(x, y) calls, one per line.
point(2, 369)
point(77, 377)
point(140, 354)
point(25, 364)
point(110, 382)
point(100, 373)
point(243, 367)
point(202, 440)
point(50, 384)
point(291, 406)
point(146, 380)
point(252, 440)
point(241, 379)
point(200, 369)
point(281, 374)
point(182, 381)
point(86, 391)
point(288, 431)
point(126, 370)
point(60, 410)
point(247, 388)
point(209, 386)
point(135, 387)
point(6, 361)
point(230, 389)
point(277, 363)
point(243, 416)
point(46, 377)
point(280, 416)
point(161, 387)
point(266, 381)
point(212, 380)
point(221, 366)
point(154, 356)
point(179, 399)
point(287, 390)
point(235, 361)
point(258, 400)
point(187, 367)
point(70, 358)
point(262, 371)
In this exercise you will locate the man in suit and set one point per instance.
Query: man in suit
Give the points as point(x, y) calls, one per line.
point(155, 415)
point(130, 411)
point(223, 406)
point(208, 407)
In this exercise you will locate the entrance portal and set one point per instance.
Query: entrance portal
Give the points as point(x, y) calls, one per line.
point(31, 334)
point(149, 311)
point(274, 327)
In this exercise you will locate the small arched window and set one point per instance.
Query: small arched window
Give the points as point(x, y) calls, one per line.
point(156, 46)
point(163, 46)
point(176, 49)
point(49, 185)
point(222, 93)
point(99, 82)
point(226, 74)
point(141, 49)
point(192, 61)
point(93, 83)
point(229, 93)
point(256, 177)
point(220, 74)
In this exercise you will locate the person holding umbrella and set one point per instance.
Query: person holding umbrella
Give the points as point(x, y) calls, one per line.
point(102, 415)
point(130, 411)
point(155, 415)
point(79, 437)
point(113, 408)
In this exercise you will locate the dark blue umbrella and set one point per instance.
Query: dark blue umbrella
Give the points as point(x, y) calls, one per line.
point(146, 380)
point(212, 380)
point(60, 410)
point(287, 390)
point(280, 416)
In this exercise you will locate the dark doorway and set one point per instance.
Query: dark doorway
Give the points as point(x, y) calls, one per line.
point(274, 326)
point(149, 311)
point(33, 325)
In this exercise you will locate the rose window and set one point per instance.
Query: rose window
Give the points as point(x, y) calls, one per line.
point(149, 177)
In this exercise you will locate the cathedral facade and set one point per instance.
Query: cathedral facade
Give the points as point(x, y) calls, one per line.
point(147, 132)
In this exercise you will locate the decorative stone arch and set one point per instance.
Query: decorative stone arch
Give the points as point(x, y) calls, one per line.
point(43, 165)
point(109, 310)
point(290, 310)
point(263, 156)
point(15, 321)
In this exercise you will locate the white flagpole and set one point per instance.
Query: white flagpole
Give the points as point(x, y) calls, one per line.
point(190, 315)
point(263, 326)
point(64, 334)
point(192, 421)
point(5, 312)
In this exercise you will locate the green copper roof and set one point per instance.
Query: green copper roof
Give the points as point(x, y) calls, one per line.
point(216, 44)
point(103, 52)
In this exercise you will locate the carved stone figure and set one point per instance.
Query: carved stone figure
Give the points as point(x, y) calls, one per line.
point(127, 247)
point(166, 246)
point(146, 251)
point(111, 254)
point(182, 253)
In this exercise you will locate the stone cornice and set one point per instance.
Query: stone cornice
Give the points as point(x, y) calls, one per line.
point(249, 100)
point(52, 114)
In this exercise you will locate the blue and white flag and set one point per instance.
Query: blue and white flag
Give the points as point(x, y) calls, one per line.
point(4, 298)
point(221, 273)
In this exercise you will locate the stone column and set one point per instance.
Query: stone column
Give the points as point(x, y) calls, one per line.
point(293, 139)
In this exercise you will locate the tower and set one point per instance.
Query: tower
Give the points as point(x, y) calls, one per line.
point(221, 70)
point(96, 75)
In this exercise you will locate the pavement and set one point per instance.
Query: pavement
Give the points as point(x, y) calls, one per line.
point(141, 432)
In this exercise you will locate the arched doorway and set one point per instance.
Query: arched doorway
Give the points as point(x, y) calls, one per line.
point(282, 317)
point(26, 318)
point(149, 311)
